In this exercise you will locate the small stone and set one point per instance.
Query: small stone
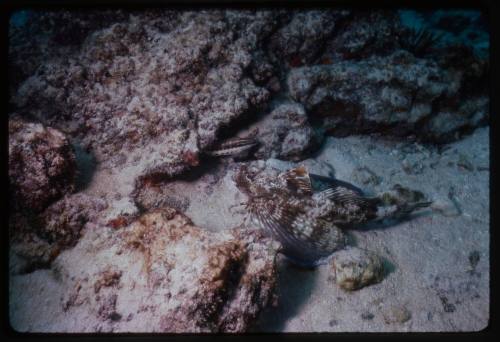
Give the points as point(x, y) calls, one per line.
point(474, 258)
point(397, 314)
point(464, 163)
point(447, 208)
point(355, 268)
point(449, 307)
point(366, 176)
point(367, 316)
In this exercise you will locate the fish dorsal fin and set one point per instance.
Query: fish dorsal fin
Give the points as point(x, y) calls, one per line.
point(335, 183)
point(345, 196)
point(298, 179)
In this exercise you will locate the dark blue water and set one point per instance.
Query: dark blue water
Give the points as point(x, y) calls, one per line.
point(458, 27)
point(20, 18)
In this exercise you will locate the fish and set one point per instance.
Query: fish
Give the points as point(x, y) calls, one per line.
point(235, 147)
point(310, 224)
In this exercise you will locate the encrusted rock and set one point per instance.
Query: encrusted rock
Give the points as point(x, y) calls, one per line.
point(363, 34)
point(170, 87)
point(64, 220)
point(41, 165)
point(355, 268)
point(286, 134)
point(397, 94)
point(302, 39)
point(38, 239)
point(179, 277)
point(151, 195)
point(171, 81)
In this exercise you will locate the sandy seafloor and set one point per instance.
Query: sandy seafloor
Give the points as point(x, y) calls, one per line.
point(430, 279)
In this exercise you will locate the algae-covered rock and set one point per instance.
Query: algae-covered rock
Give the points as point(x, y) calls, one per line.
point(177, 277)
point(355, 268)
point(42, 165)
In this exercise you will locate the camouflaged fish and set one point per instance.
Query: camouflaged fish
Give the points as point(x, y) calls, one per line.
point(309, 224)
point(234, 147)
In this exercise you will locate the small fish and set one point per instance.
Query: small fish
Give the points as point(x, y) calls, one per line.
point(308, 224)
point(235, 147)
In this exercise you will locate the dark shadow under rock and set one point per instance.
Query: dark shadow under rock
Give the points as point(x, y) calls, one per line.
point(38, 239)
point(154, 191)
point(295, 286)
point(86, 166)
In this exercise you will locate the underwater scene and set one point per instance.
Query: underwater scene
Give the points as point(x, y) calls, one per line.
point(235, 170)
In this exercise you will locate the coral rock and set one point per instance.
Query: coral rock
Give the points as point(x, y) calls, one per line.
point(168, 80)
point(356, 268)
point(189, 279)
point(302, 39)
point(287, 134)
point(361, 97)
point(41, 165)
point(37, 240)
point(364, 34)
point(64, 220)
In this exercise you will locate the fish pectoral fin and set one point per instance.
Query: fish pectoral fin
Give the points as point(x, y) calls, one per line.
point(280, 223)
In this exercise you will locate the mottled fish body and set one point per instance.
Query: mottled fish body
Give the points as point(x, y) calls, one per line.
point(309, 224)
point(305, 238)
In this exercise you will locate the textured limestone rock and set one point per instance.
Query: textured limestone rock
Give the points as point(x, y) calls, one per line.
point(41, 165)
point(64, 220)
point(360, 92)
point(171, 82)
point(396, 94)
point(166, 87)
point(302, 39)
point(286, 133)
point(177, 277)
point(355, 268)
point(37, 239)
point(363, 34)
point(28, 48)
point(148, 196)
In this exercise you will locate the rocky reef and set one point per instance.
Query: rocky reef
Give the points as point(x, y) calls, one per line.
point(148, 95)
point(173, 82)
point(45, 216)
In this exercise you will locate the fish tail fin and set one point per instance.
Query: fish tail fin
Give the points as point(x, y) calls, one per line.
point(399, 211)
point(409, 208)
